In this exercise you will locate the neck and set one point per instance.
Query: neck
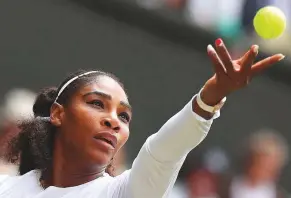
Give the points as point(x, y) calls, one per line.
point(69, 178)
point(67, 171)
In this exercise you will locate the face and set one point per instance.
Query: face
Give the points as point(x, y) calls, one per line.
point(265, 166)
point(95, 123)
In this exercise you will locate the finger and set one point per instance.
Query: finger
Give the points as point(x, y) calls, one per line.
point(217, 64)
point(265, 63)
point(249, 58)
point(241, 59)
point(224, 55)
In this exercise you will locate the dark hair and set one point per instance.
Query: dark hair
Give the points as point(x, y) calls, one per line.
point(33, 147)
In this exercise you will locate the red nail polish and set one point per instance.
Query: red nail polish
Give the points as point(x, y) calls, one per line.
point(218, 42)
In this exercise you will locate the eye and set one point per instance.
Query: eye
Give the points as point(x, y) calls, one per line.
point(97, 103)
point(124, 117)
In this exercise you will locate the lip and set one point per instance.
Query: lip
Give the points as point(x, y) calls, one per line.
point(107, 136)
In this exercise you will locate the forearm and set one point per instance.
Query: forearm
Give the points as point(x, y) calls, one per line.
point(180, 134)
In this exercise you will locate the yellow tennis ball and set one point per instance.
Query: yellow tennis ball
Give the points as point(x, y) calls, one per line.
point(269, 22)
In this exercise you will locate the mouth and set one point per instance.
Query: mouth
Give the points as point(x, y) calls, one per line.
point(108, 138)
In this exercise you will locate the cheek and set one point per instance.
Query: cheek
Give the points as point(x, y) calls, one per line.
point(123, 136)
point(80, 124)
point(83, 116)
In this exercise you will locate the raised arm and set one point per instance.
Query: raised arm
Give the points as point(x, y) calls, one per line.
point(156, 167)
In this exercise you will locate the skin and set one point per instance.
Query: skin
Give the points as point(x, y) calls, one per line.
point(265, 165)
point(98, 108)
point(79, 158)
point(264, 168)
point(230, 75)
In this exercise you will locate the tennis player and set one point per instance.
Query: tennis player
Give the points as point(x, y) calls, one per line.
point(67, 149)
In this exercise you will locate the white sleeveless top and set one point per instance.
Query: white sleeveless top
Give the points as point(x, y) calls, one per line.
point(152, 175)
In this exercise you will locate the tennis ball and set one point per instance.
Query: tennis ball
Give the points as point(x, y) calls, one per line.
point(269, 22)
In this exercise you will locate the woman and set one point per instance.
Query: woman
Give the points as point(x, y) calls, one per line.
point(67, 149)
point(265, 155)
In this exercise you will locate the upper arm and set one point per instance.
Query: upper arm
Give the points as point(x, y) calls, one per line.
point(150, 177)
point(146, 178)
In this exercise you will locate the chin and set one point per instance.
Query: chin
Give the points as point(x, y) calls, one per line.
point(101, 158)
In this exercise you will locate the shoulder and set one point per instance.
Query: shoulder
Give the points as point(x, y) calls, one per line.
point(20, 185)
point(109, 181)
point(120, 179)
point(26, 177)
point(3, 178)
point(106, 186)
point(118, 185)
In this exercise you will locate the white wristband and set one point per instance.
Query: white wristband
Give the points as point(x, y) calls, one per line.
point(205, 107)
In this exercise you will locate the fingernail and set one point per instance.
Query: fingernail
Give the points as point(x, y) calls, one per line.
point(256, 49)
point(281, 57)
point(210, 49)
point(218, 42)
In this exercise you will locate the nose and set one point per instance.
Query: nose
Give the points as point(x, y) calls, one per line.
point(112, 123)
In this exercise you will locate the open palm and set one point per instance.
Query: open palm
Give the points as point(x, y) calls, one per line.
point(231, 75)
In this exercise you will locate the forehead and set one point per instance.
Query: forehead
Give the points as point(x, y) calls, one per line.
point(106, 85)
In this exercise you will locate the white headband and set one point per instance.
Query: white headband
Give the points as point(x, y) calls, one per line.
point(70, 81)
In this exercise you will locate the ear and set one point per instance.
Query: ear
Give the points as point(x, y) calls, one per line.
point(57, 114)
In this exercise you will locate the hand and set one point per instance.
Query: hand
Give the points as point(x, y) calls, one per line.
point(231, 75)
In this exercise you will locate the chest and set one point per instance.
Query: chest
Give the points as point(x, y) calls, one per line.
point(30, 188)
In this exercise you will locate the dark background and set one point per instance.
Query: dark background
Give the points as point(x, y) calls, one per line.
point(161, 62)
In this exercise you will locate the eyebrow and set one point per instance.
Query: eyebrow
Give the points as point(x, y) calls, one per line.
point(108, 97)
